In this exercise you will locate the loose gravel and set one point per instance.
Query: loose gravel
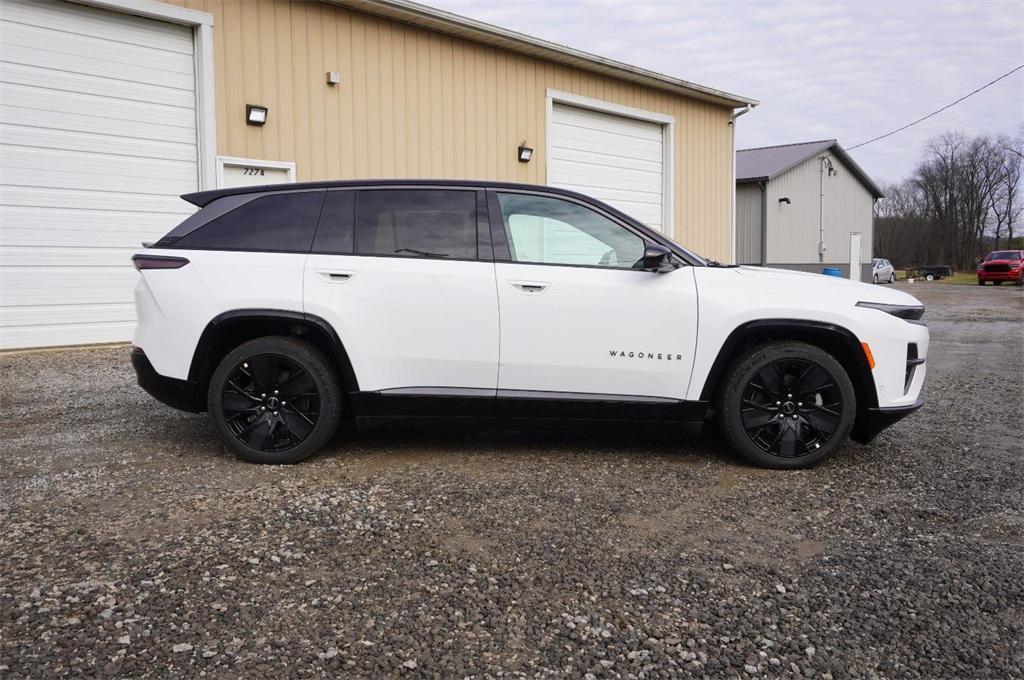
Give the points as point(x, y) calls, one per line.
point(132, 544)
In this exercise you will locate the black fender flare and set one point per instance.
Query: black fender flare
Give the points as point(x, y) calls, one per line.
point(298, 322)
point(832, 336)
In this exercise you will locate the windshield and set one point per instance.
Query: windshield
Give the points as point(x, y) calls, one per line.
point(1003, 255)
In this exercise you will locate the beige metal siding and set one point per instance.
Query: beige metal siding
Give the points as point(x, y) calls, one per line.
point(793, 228)
point(748, 223)
point(417, 103)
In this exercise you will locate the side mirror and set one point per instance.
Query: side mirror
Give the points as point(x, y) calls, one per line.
point(658, 258)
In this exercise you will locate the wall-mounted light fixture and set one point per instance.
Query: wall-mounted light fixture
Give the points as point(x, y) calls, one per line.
point(255, 114)
point(525, 153)
point(785, 200)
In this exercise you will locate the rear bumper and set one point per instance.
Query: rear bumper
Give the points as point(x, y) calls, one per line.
point(179, 394)
point(874, 420)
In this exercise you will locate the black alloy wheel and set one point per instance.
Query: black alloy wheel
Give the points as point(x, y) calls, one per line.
point(791, 407)
point(270, 403)
point(275, 400)
point(786, 404)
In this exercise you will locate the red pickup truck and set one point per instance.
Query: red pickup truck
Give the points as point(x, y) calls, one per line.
point(1002, 265)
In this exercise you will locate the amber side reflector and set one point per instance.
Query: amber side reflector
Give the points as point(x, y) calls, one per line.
point(868, 355)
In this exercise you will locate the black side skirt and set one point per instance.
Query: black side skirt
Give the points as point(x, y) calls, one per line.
point(478, 409)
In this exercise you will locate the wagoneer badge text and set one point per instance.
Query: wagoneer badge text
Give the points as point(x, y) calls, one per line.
point(667, 356)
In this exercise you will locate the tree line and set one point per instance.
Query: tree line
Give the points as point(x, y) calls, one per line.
point(961, 201)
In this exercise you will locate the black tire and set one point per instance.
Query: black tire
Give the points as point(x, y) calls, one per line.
point(980, 282)
point(997, 283)
point(260, 376)
point(1019, 282)
point(892, 277)
point(930, 277)
point(875, 281)
point(815, 428)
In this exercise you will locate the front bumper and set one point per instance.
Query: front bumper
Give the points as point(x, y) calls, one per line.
point(1000, 276)
point(874, 420)
point(180, 394)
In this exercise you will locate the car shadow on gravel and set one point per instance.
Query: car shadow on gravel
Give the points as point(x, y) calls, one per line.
point(684, 444)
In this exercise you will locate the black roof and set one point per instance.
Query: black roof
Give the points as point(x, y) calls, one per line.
point(204, 198)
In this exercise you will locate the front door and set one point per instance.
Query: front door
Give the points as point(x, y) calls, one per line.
point(578, 316)
point(397, 273)
point(855, 256)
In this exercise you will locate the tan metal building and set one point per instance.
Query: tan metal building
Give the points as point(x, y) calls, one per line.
point(804, 206)
point(112, 108)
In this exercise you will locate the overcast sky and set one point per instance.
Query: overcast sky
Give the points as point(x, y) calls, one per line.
point(848, 71)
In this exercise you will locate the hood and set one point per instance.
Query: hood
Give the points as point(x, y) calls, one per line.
point(830, 285)
point(767, 273)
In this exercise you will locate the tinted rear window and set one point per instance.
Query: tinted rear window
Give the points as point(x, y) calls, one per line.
point(416, 223)
point(276, 222)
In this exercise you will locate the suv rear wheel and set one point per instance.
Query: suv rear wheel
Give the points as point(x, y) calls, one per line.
point(786, 405)
point(275, 400)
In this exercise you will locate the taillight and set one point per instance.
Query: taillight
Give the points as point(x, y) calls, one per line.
point(158, 262)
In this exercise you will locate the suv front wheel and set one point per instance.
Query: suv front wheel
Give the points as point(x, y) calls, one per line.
point(786, 405)
point(275, 400)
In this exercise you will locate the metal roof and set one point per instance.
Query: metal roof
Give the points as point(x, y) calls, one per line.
point(766, 162)
point(478, 31)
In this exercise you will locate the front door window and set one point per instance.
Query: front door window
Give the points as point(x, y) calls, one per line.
point(545, 230)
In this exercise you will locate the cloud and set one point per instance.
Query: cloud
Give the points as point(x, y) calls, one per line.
point(846, 70)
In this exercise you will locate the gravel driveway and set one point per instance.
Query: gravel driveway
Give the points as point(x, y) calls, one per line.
point(132, 544)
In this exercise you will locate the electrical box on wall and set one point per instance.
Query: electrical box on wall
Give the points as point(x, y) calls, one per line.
point(333, 78)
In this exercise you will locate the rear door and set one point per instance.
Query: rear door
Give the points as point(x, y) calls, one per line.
point(406, 278)
point(578, 315)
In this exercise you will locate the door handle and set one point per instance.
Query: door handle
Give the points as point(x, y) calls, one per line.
point(530, 287)
point(334, 276)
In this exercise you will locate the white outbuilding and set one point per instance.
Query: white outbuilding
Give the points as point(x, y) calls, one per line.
point(804, 206)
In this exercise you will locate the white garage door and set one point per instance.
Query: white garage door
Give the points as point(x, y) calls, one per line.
point(612, 158)
point(97, 140)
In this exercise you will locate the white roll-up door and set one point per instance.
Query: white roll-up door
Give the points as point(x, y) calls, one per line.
point(97, 141)
point(613, 158)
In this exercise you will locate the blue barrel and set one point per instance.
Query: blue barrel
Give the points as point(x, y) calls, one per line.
point(832, 271)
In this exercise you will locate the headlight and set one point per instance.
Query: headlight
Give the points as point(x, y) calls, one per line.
point(912, 313)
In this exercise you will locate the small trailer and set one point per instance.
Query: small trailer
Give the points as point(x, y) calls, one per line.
point(931, 272)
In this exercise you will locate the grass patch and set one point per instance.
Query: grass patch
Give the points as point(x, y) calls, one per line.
point(962, 278)
point(959, 278)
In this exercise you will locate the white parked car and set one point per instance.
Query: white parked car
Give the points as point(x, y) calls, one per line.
point(284, 310)
point(882, 271)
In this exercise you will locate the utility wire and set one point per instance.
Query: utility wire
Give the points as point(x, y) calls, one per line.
point(934, 113)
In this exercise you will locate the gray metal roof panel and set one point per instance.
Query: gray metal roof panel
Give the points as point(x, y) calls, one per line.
point(770, 161)
point(764, 163)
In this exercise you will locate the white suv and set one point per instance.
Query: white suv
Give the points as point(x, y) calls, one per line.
point(284, 310)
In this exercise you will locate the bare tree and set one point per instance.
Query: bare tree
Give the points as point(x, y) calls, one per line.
point(1008, 168)
point(962, 198)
